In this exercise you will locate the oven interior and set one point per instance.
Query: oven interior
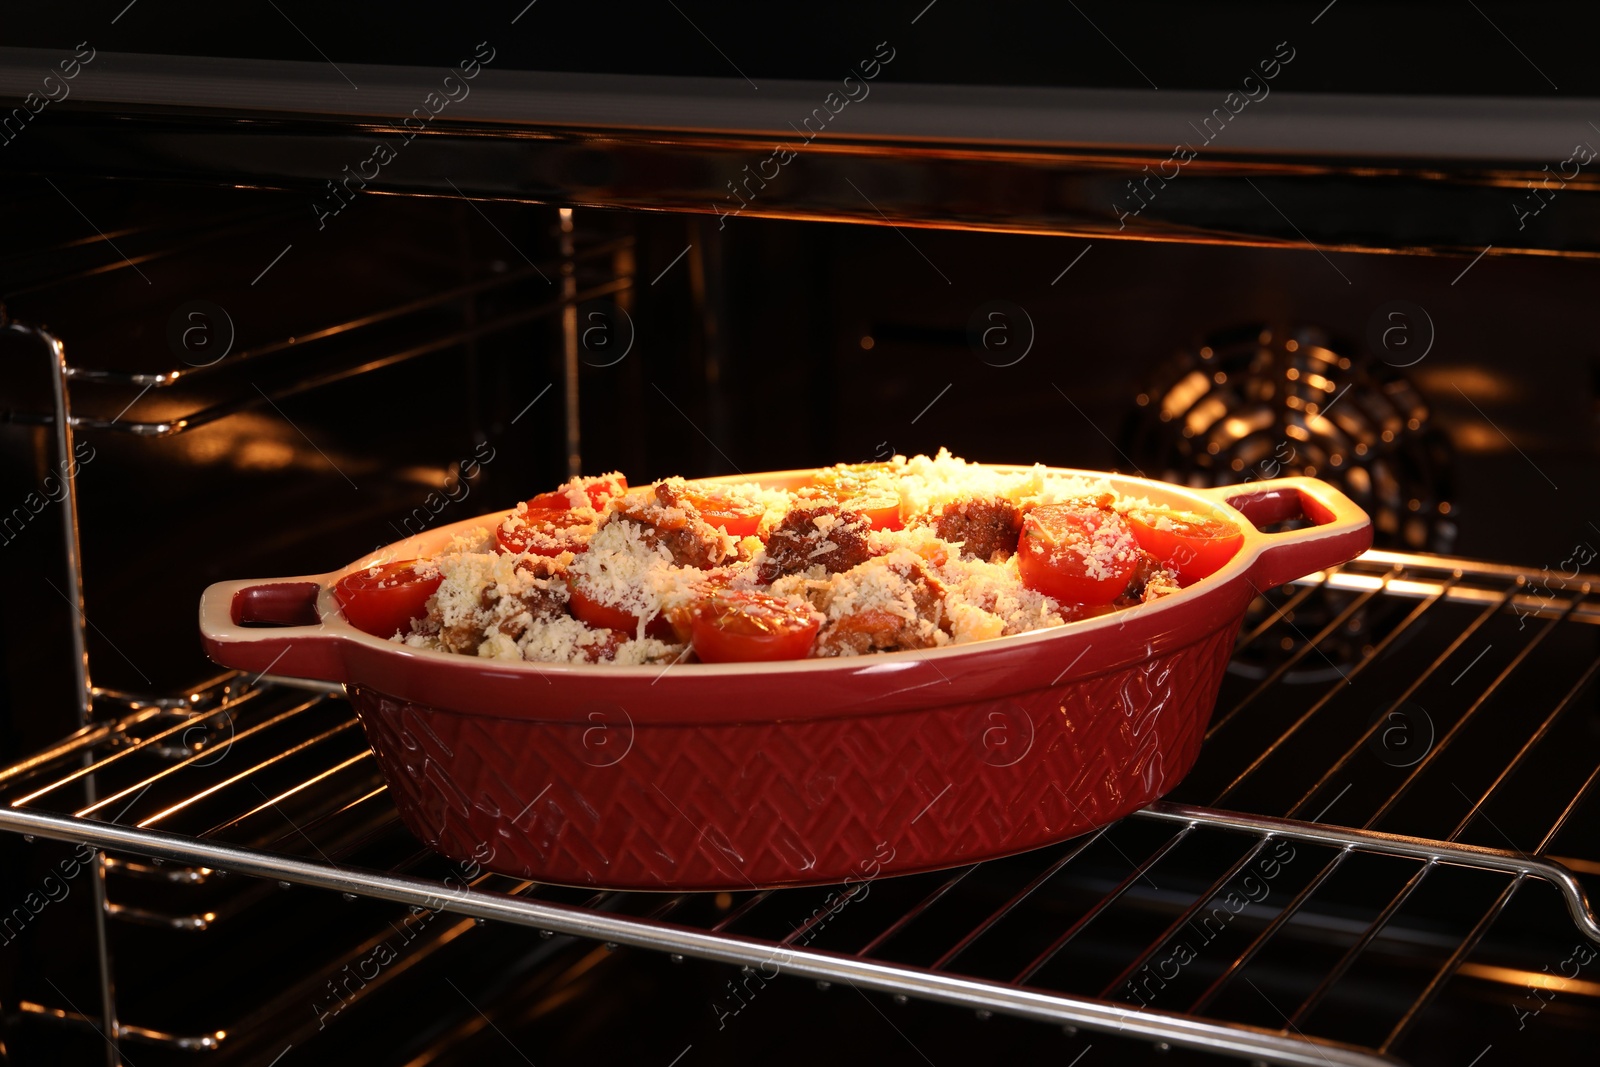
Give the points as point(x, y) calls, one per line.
point(1439, 691)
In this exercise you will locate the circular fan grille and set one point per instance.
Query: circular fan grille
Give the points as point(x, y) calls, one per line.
point(1251, 405)
point(1254, 404)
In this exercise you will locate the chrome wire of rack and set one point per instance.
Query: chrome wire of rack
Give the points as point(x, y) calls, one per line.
point(192, 711)
point(291, 794)
point(618, 250)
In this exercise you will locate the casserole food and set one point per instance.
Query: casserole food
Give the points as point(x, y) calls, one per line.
point(868, 558)
point(748, 775)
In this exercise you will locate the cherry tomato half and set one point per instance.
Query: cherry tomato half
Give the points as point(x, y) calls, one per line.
point(865, 487)
point(736, 626)
point(603, 488)
point(606, 648)
point(677, 618)
point(601, 616)
point(882, 511)
point(737, 517)
point(383, 600)
point(1078, 555)
point(586, 609)
point(599, 490)
point(544, 532)
point(1192, 545)
point(555, 500)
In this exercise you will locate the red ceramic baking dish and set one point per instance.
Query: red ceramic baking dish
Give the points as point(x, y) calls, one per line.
point(733, 776)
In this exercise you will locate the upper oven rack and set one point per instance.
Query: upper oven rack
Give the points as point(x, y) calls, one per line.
point(1415, 174)
point(132, 387)
point(232, 812)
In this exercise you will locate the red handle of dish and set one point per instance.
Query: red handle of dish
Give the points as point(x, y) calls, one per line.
point(1342, 531)
point(273, 625)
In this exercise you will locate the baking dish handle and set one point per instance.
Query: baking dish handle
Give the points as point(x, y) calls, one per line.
point(271, 625)
point(1342, 531)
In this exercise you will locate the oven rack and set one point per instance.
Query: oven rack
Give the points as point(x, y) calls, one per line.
point(176, 236)
point(561, 273)
point(939, 156)
point(294, 797)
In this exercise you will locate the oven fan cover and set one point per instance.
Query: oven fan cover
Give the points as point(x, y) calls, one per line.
point(1255, 403)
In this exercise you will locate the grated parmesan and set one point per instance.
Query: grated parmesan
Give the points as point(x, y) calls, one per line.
point(913, 589)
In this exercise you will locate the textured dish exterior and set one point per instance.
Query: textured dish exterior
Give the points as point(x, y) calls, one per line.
point(728, 776)
point(753, 805)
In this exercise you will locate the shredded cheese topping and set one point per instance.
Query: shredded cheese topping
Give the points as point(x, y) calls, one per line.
point(876, 590)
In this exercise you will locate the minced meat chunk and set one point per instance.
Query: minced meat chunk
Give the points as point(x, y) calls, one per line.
point(671, 521)
point(913, 616)
point(988, 528)
point(813, 534)
point(463, 636)
point(539, 593)
point(1150, 580)
point(533, 591)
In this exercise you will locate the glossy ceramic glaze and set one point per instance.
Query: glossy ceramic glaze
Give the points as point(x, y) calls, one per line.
point(703, 776)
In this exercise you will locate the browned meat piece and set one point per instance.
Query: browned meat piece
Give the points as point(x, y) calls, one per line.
point(670, 520)
point(544, 598)
point(927, 593)
point(867, 631)
point(988, 529)
point(1144, 568)
point(882, 630)
point(672, 493)
point(816, 533)
point(1149, 580)
point(542, 568)
point(463, 637)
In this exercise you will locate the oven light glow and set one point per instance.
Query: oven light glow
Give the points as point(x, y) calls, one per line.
point(1182, 395)
point(1238, 427)
point(1531, 979)
point(1474, 436)
point(1207, 412)
point(1478, 384)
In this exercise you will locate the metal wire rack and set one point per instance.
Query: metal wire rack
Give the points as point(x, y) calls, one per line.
point(1322, 862)
point(351, 359)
